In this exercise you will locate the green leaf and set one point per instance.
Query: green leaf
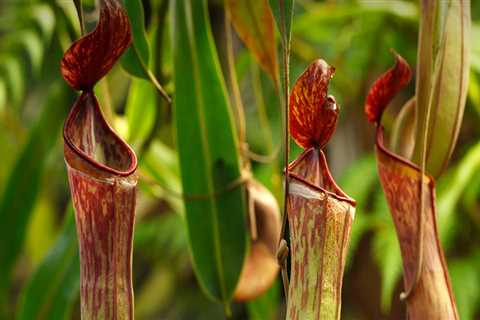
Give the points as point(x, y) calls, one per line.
point(53, 288)
point(403, 135)
point(388, 257)
point(253, 21)
point(283, 13)
point(473, 91)
point(45, 18)
point(140, 111)
point(136, 59)
point(216, 225)
point(358, 181)
point(32, 43)
point(451, 189)
point(160, 164)
point(386, 251)
point(465, 280)
point(22, 186)
point(475, 46)
point(15, 84)
point(266, 306)
point(3, 95)
point(442, 86)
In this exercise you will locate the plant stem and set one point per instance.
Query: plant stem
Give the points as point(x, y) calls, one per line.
point(286, 87)
point(237, 98)
point(152, 78)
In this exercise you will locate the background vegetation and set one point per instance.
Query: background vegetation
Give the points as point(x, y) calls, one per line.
point(37, 233)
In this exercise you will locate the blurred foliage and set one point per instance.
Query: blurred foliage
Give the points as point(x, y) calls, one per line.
point(37, 240)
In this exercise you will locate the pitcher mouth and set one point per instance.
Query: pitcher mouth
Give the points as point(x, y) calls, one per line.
point(333, 189)
point(84, 125)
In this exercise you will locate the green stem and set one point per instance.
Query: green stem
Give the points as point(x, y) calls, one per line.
point(286, 64)
point(78, 7)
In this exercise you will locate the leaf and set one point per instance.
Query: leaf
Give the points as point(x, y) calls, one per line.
point(136, 58)
point(448, 199)
point(140, 111)
point(253, 21)
point(33, 46)
point(427, 43)
point(216, 225)
point(15, 82)
point(160, 163)
point(3, 95)
point(361, 173)
point(266, 306)
point(53, 288)
point(260, 268)
point(475, 47)
point(283, 12)
point(403, 133)
point(22, 186)
point(465, 281)
point(313, 115)
point(387, 255)
point(417, 234)
point(446, 101)
point(473, 91)
point(45, 18)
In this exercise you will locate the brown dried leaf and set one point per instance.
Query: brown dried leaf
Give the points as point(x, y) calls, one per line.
point(260, 268)
point(254, 23)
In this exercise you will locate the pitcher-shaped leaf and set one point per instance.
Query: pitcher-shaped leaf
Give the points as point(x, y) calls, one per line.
point(320, 214)
point(260, 268)
point(101, 174)
point(425, 270)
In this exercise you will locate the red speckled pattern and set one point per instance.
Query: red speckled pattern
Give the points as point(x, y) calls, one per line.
point(104, 215)
point(433, 297)
point(313, 114)
point(320, 217)
point(101, 170)
point(401, 181)
point(385, 88)
point(104, 203)
point(92, 56)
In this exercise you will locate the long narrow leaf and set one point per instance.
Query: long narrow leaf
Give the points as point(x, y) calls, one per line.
point(53, 288)
point(283, 13)
point(22, 186)
point(449, 87)
point(254, 23)
point(137, 57)
point(205, 133)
